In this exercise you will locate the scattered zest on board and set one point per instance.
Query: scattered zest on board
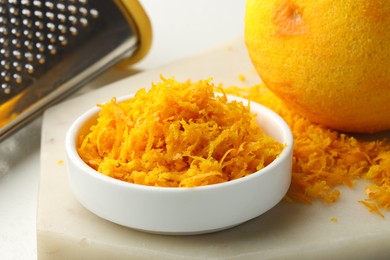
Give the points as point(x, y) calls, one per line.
point(324, 159)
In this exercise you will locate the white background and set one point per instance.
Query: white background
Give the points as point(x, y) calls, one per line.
point(181, 28)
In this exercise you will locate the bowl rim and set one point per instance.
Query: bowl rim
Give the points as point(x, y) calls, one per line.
point(73, 131)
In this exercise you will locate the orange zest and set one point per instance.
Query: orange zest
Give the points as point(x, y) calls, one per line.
point(324, 159)
point(178, 134)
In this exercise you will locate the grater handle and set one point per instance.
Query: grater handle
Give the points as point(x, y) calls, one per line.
point(137, 17)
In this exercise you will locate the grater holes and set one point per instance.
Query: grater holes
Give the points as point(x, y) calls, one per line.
point(29, 68)
point(37, 3)
point(3, 20)
point(51, 38)
point(6, 88)
point(29, 56)
point(39, 35)
point(41, 58)
point(49, 5)
point(62, 28)
point(32, 32)
point(73, 30)
point(39, 25)
point(3, 30)
point(6, 76)
point(16, 32)
point(61, 18)
point(72, 9)
point(50, 16)
point(83, 11)
point(40, 47)
point(25, 2)
point(5, 64)
point(5, 53)
point(61, 7)
point(16, 43)
point(62, 40)
point(52, 49)
point(51, 27)
point(27, 23)
point(28, 34)
point(38, 14)
point(72, 19)
point(17, 54)
point(84, 21)
point(14, 11)
point(4, 42)
point(17, 66)
point(15, 21)
point(94, 13)
point(17, 78)
point(26, 12)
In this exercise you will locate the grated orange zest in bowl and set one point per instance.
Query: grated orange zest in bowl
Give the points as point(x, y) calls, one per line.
point(177, 134)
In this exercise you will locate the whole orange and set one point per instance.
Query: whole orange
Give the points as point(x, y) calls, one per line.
point(329, 60)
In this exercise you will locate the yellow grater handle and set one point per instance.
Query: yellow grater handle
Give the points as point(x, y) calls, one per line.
point(138, 19)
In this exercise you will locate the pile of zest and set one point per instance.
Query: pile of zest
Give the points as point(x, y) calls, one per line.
point(177, 134)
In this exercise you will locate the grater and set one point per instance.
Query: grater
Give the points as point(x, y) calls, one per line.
point(49, 49)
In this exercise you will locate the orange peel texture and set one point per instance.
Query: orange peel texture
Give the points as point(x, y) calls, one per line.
point(288, 19)
point(327, 60)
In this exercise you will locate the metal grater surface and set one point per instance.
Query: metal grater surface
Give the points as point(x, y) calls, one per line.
point(49, 48)
point(34, 35)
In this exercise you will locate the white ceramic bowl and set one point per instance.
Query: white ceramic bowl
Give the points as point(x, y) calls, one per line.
point(182, 210)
